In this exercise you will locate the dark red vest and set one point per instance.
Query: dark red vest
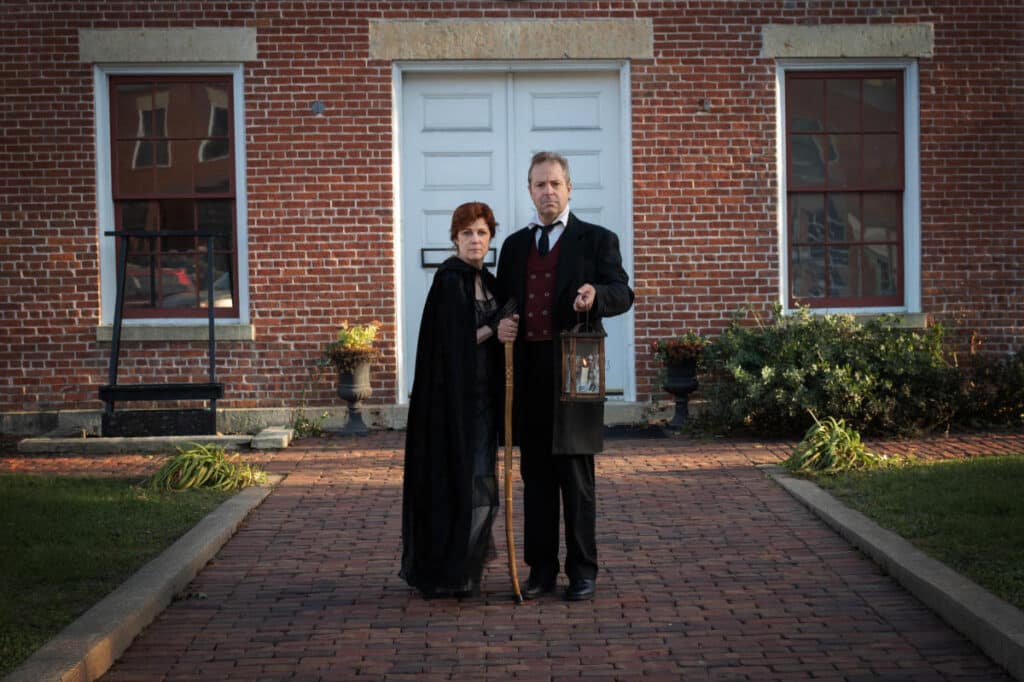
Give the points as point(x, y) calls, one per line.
point(541, 274)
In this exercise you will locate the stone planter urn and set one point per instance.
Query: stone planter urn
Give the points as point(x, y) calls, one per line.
point(681, 381)
point(354, 387)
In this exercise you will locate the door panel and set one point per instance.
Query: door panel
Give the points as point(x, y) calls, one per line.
point(453, 140)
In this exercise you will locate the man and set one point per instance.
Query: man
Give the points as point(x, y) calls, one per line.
point(562, 271)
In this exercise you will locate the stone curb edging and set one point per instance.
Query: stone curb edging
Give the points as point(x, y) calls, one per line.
point(86, 648)
point(994, 625)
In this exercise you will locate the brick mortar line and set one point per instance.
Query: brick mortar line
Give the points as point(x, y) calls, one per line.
point(994, 625)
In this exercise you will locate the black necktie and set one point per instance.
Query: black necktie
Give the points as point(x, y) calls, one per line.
point(544, 245)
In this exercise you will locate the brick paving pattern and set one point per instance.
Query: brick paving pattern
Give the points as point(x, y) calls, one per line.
point(709, 571)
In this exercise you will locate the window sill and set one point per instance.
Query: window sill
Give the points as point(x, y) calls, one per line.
point(177, 332)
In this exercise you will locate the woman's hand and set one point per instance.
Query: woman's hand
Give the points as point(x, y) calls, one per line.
point(508, 329)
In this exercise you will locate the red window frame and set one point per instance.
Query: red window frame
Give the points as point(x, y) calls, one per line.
point(162, 262)
point(855, 193)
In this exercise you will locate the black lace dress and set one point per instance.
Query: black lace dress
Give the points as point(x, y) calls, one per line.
point(485, 481)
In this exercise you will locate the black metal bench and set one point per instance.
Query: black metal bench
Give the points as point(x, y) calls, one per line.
point(159, 422)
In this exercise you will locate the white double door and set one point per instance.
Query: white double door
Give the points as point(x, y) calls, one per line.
point(469, 137)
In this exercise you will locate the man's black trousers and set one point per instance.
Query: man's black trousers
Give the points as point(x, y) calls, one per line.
point(546, 477)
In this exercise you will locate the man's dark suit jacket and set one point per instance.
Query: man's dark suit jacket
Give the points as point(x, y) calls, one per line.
point(588, 254)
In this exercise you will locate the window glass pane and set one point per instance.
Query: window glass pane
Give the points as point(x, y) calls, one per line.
point(219, 122)
point(218, 216)
point(178, 214)
point(131, 177)
point(844, 221)
point(844, 271)
point(222, 286)
point(881, 104)
point(138, 285)
point(807, 271)
point(176, 97)
point(212, 176)
point(178, 281)
point(139, 215)
point(882, 167)
point(806, 217)
point(844, 160)
point(881, 270)
point(842, 105)
point(806, 162)
point(882, 216)
point(211, 99)
point(805, 105)
point(133, 102)
point(213, 148)
point(176, 176)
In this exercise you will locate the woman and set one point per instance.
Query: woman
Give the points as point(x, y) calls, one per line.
point(450, 491)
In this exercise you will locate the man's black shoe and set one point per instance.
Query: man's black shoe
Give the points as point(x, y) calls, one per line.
point(580, 590)
point(535, 587)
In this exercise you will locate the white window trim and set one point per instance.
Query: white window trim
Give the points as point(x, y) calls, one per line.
point(911, 180)
point(105, 200)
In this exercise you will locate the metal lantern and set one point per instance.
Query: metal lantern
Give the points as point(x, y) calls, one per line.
point(582, 365)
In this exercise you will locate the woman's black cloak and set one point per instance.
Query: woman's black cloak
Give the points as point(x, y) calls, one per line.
point(437, 493)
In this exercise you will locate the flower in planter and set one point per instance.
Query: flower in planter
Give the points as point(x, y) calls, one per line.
point(353, 346)
point(675, 351)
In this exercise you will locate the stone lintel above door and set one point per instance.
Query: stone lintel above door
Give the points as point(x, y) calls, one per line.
point(512, 39)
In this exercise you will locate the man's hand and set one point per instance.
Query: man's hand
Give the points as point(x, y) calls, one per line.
point(508, 328)
point(585, 297)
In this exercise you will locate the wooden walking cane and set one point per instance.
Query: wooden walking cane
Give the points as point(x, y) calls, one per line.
point(508, 474)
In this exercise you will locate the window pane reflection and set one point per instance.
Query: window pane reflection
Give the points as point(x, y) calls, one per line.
point(806, 217)
point(881, 104)
point(807, 160)
point(844, 271)
point(807, 272)
point(881, 268)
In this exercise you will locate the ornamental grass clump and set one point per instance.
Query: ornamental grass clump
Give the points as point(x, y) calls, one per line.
point(205, 466)
point(831, 447)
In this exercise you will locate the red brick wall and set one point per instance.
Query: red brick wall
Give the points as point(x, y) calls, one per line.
point(320, 189)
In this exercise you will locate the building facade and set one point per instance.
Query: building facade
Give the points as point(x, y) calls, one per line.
point(853, 156)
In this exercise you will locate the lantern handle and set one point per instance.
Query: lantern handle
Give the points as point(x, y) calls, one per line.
point(584, 324)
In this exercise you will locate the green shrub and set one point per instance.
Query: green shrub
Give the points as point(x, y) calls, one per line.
point(767, 377)
point(993, 391)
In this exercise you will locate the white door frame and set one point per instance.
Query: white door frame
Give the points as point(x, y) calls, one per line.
point(398, 69)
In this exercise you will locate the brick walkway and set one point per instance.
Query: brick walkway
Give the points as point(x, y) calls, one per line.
point(710, 571)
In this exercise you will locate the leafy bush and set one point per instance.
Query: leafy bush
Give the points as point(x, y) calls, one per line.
point(993, 391)
point(877, 377)
point(830, 447)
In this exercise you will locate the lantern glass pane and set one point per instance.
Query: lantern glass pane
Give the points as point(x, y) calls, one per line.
point(588, 367)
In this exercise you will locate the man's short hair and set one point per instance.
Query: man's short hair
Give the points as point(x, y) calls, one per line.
point(545, 157)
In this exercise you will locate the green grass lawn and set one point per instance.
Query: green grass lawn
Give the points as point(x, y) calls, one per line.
point(65, 543)
point(969, 514)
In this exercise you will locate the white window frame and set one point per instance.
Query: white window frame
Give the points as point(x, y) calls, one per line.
point(105, 197)
point(911, 180)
